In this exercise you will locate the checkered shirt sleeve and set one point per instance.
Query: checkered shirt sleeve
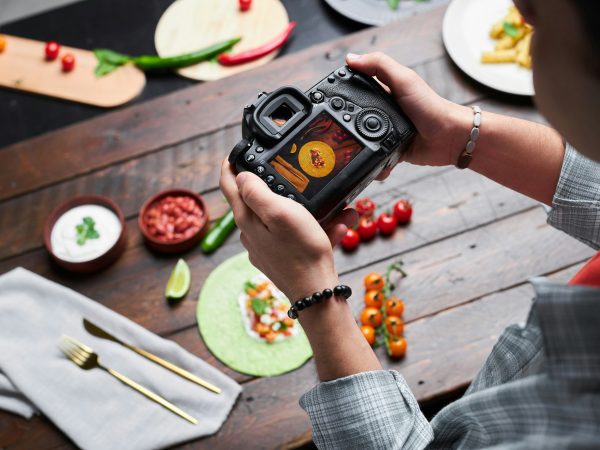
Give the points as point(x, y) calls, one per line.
point(576, 204)
point(370, 410)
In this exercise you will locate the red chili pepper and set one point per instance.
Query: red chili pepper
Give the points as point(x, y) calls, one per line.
point(227, 59)
point(245, 5)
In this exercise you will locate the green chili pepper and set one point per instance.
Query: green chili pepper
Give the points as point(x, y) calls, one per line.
point(218, 233)
point(175, 62)
point(109, 60)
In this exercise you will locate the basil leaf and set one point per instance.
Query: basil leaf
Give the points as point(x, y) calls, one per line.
point(108, 61)
point(111, 57)
point(104, 69)
point(511, 30)
point(249, 285)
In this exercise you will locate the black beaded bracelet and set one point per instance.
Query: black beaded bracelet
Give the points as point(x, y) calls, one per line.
point(339, 291)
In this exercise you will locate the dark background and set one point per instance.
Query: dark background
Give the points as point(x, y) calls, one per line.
point(127, 26)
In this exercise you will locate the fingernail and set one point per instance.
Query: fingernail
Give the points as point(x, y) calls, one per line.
point(352, 56)
point(240, 179)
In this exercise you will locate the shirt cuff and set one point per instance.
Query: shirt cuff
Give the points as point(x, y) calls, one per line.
point(366, 411)
point(576, 204)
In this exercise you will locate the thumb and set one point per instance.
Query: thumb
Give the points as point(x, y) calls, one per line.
point(271, 209)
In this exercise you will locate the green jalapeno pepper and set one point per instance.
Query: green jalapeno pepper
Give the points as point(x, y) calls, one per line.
point(218, 233)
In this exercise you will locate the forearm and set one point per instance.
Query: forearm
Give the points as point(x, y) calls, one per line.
point(521, 155)
point(338, 345)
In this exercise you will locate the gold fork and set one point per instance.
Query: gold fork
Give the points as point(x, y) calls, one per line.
point(87, 359)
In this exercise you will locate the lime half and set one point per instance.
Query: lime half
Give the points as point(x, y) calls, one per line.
point(179, 281)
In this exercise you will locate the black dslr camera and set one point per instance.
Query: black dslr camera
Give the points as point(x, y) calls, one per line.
point(323, 147)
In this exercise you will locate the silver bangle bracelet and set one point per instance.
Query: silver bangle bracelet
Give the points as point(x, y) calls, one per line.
point(467, 154)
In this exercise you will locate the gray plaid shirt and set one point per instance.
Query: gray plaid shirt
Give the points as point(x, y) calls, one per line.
point(539, 388)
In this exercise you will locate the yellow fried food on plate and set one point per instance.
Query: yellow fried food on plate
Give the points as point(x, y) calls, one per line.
point(316, 159)
point(513, 41)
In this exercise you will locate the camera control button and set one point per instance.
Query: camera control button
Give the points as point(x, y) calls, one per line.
point(342, 73)
point(347, 117)
point(390, 141)
point(270, 179)
point(259, 149)
point(337, 103)
point(350, 107)
point(317, 97)
point(260, 171)
point(291, 197)
point(250, 157)
point(373, 123)
point(280, 189)
point(331, 79)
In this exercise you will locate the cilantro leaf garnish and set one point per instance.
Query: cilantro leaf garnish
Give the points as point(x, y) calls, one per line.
point(259, 306)
point(511, 30)
point(86, 230)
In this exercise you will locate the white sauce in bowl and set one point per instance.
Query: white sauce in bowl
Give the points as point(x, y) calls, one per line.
point(63, 237)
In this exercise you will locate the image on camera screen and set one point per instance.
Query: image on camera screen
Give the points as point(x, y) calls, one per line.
point(316, 155)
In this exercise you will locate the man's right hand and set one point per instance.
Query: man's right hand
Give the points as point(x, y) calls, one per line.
point(443, 127)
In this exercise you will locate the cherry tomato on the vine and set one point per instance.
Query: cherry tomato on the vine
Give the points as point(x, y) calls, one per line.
point(68, 62)
point(394, 325)
point(374, 282)
point(369, 333)
point(365, 207)
point(403, 211)
point(371, 316)
point(350, 240)
point(396, 346)
point(374, 299)
point(387, 223)
point(245, 5)
point(51, 50)
point(367, 229)
point(394, 307)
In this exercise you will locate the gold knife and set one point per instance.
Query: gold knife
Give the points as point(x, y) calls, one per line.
point(95, 330)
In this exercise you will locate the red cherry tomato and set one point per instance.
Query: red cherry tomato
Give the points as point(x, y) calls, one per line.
point(365, 207)
point(367, 229)
point(68, 62)
point(387, 223)
point(350, 240)
point(403, 211)
point(245, 5)
point(52, 49)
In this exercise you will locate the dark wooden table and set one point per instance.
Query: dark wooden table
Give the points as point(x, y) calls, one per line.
point(469, 251)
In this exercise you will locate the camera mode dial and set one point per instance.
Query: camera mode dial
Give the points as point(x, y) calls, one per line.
point(372, 123)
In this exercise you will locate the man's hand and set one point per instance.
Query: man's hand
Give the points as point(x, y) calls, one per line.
point(442, 126)
point(283, 239)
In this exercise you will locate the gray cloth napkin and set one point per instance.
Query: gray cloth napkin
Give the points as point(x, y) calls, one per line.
point(93, 408)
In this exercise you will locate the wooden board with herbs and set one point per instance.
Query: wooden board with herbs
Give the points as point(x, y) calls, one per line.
point(468, 251)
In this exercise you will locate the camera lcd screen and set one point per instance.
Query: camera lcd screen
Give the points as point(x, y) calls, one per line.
point(316, 155)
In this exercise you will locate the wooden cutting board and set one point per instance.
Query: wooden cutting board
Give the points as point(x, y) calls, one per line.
point(189, 25)
point(23, 67)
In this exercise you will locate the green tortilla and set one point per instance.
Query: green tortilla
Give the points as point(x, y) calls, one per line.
point(220, 324)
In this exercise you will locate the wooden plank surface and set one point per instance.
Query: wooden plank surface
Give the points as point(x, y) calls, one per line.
point(192, 112)
point(469, 251)
point(445, 352)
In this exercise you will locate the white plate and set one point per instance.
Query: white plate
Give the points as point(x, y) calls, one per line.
point(467, 24)
point(377, 12)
